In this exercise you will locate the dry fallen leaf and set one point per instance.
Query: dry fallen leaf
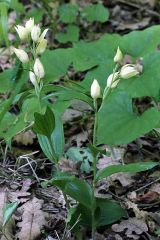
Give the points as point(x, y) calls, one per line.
point(67, 165)
point(33, 220)
point(22, 194)
point(133, 227)
point(10, 225)
point(25, 138)
point(148, 197)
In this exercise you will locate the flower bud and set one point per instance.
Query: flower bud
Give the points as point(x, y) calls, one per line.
point(43, 35)
point(113, 80)
point(22, 32)
point(32, 78)
point(95, 89)
point(41, 46)
point(21, 54)
point(29, 24)
point(128, 71)
point(35, 33)
point(38, 69)
point(119, 56)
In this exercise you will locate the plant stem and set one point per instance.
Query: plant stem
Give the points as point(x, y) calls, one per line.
point(94, 172)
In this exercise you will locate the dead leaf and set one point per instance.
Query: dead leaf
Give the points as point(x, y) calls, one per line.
point(148, 197)
point(67, 165)
point(133, 227)
point(25, 138)
point(22, 194)
point(71, 115)
point(10, 225)
point(33, 220)
point(140, 214)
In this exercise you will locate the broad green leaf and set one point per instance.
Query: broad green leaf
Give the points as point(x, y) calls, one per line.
point(19, 78)
point(44, 123)
point(8, 211)
point(5, 81)
point(11, 125)
point(147, 84)
point(30, 105)
point(97, 56)
point(78, 189)
point(68, 13)
point(17, 6)
point(108, 212)
point(118, 124)
point(95, 12)
point(70, 35)
point(141, 42)
point(36, 13)
point(56, 63)
point(131, 168)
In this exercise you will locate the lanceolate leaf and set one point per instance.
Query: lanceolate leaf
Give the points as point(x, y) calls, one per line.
point(8, 210)
point(131, 168)
point(75, 188)
point(53, 147)
point(118, 124)
point(107, 212)
point(45, 123)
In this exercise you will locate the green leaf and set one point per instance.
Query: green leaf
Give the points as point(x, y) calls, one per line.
point(147, 84)
point(56, 63)
point(141, 42)
point(131, 168)
point(17, 6)
point(108, 212)
point(53, 148)
point(4, 20)
point(97, 56)
point(5, 81)
point(118, 124)
point(36, 13)
point(75, 188)
point(68, 13)
point(8, 211)
point(70, 35)
point(95, 12)
point(44, 123)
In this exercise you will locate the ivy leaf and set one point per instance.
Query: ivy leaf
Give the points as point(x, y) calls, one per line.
point(118, 124)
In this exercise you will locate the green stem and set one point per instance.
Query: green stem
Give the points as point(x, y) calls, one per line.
point(94, 172)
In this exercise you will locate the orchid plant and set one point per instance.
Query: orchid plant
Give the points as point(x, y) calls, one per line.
point(90, 211)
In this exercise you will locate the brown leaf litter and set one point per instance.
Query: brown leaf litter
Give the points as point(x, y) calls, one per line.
point(33, 220)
